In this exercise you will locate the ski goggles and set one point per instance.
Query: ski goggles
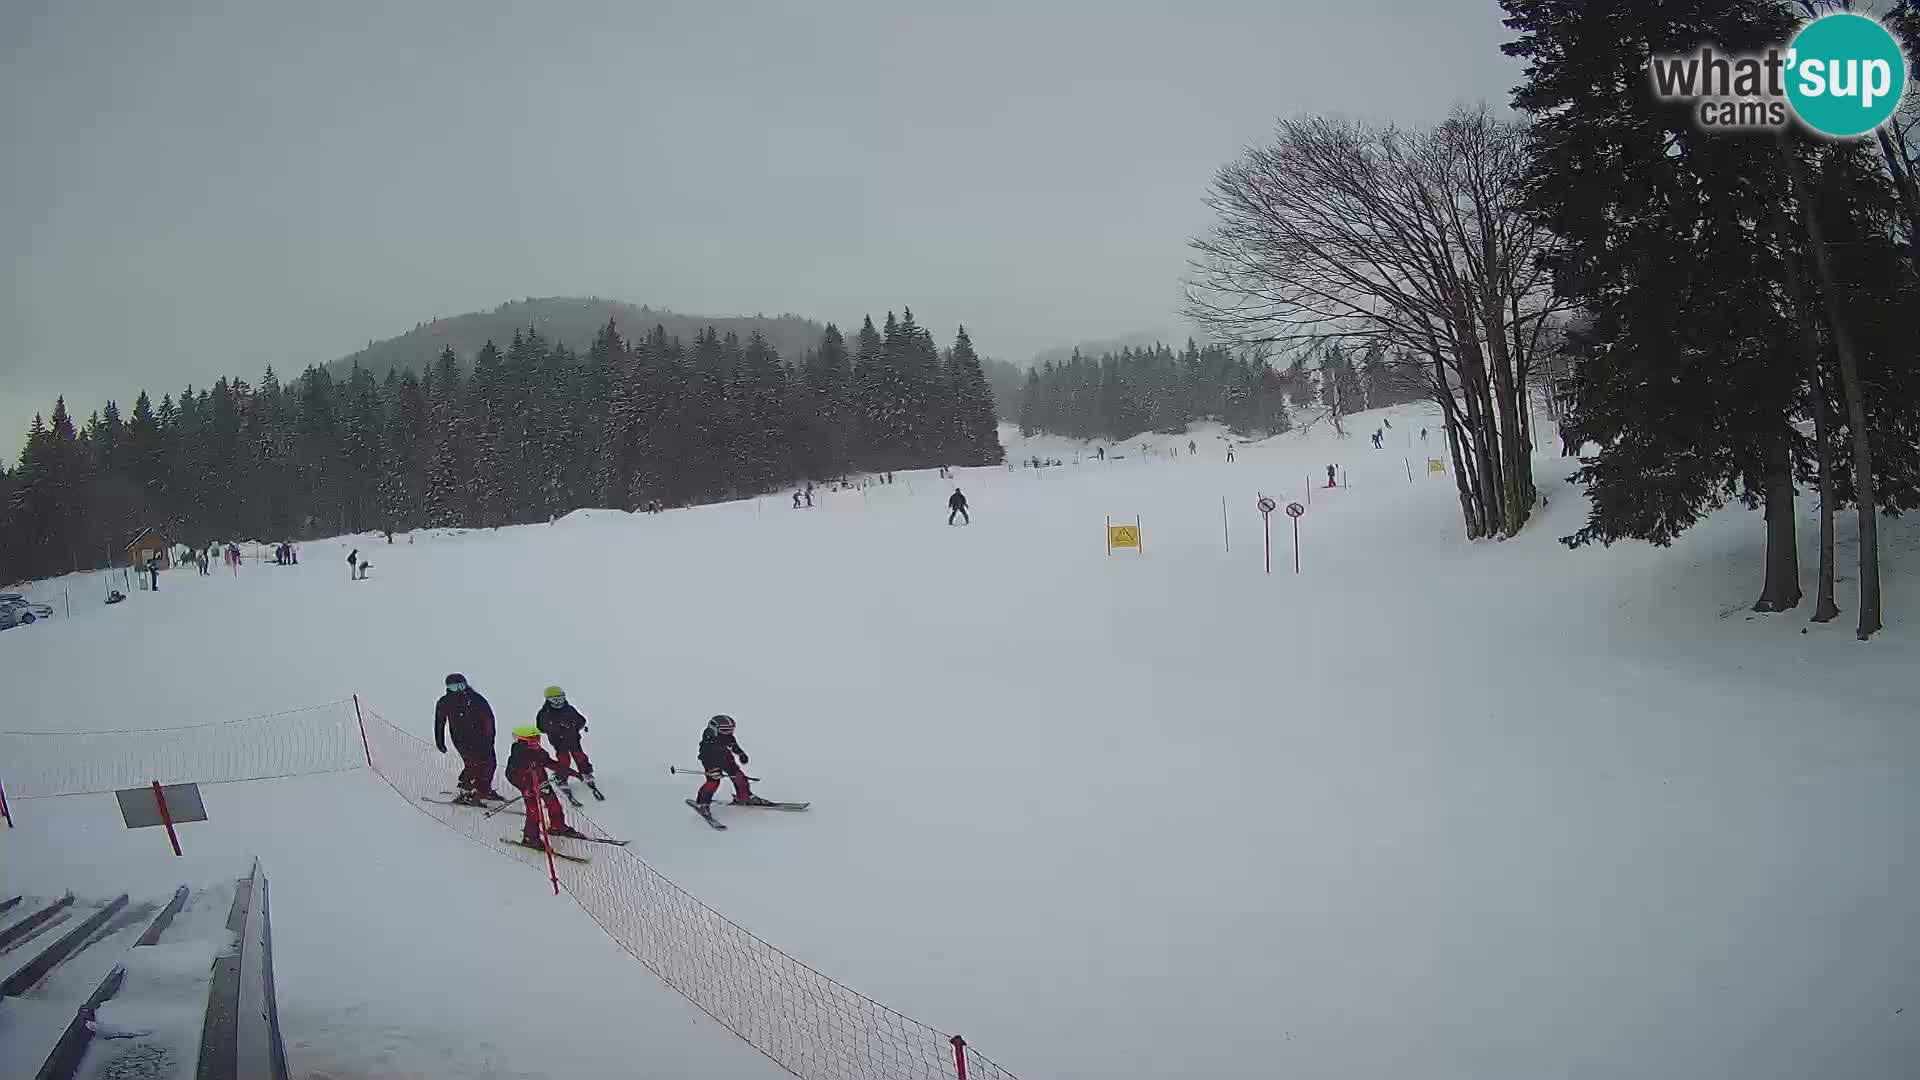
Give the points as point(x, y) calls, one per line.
point(455, 687)
point(558, 699)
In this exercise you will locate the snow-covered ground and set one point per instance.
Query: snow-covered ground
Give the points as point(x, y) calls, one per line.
point(1430, 808)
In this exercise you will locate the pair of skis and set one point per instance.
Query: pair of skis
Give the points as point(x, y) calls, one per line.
point(705, 810)
point(574, 799)
point(518, 841)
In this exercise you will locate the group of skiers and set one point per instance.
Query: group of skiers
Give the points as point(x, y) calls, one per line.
point(463, 715)
point(288, 555)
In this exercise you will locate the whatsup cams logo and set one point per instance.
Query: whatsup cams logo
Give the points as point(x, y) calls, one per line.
point(1842, 75)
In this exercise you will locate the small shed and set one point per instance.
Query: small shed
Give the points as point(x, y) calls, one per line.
point(149, 543)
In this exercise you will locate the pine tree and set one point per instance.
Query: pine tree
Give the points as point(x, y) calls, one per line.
point(1689, 378)
point(978, 430)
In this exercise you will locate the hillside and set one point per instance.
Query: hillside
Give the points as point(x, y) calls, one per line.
point(568, 320)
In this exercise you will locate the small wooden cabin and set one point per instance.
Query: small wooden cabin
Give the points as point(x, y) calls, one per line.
point(148, 544)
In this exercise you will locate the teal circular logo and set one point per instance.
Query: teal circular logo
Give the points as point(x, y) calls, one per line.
point(1846, 75)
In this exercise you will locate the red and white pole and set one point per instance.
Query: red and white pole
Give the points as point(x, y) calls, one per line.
point(538, 801)
point(959, 1057)
point(166, 816)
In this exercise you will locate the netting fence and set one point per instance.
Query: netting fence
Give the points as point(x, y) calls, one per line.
point(804, 1021)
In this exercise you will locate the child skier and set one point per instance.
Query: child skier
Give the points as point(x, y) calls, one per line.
point(718, 748)
point(563, 726)
point(527, 765)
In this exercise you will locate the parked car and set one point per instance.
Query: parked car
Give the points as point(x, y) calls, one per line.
point(17, 610)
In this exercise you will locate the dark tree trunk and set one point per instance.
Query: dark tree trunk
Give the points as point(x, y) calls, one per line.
point(1463, 477)
point(1781, 590)
point(1824, 607)
point(1863, 478)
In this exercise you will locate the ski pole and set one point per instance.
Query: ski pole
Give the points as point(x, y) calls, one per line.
point(502, 806)
point(676, 770)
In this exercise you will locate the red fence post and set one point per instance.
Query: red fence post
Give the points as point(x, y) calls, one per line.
point(166, 818)
point(959, 1056)
point(4, 812)
point(538, 803)
point(363, 731)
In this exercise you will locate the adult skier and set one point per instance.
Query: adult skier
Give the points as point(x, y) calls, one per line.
point(957, 504)
point(563, 726)
point(527, 765)
point(464, 714)
point(718, 748)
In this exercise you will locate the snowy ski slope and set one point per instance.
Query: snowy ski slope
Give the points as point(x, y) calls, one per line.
point(1430, 808)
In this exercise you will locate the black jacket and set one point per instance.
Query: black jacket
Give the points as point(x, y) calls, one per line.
point(562, 726)
point(529, 763)
point(468, 718)
point(957, 501)
point(717, 750)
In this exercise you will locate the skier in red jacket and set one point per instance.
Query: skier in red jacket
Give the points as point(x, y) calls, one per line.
point(467, 716)
point(527, 766)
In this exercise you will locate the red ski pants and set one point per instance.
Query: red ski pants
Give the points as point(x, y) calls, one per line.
point(532, 797)
point(740, 788)
point(572, 757)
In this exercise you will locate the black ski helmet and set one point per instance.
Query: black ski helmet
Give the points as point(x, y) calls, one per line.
point(722, 724)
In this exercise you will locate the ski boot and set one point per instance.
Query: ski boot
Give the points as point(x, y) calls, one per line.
point(753, 800)
point(567, 830)
point(489, 795)
point(468, 798)
point(533, 840)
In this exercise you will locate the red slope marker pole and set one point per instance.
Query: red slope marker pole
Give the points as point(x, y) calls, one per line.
point(166, 816)
point(959, 1057)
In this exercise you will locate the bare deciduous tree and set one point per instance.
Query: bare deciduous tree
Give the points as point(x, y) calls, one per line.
point(1411, 242)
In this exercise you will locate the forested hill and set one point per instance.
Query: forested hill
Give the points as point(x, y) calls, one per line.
point(566, 320)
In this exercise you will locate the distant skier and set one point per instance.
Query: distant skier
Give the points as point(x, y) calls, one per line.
point(353, 564)
point(527, 765)
point(1330, 482)
point(464, 714)
point(1423, 434)
point(957, 504)
point(718, 748)
point(809, 493)
point(1387, 422)
point(153, 573)
point(1229, 455)
point(796, 498)
point(563, 726)
point(1101, 451)
point(1192, 448)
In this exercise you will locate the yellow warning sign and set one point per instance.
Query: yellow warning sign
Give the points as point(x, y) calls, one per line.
point(1119, 536)
point(1434, 464)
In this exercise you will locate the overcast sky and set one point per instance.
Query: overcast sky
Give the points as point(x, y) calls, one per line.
point(190, 189)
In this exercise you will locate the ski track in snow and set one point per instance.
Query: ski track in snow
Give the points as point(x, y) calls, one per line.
point(1431, 808)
